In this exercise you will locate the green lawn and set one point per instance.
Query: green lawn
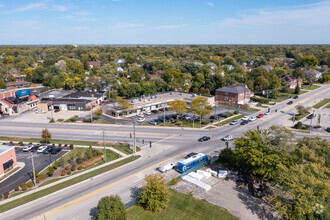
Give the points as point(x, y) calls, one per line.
point(178, 123)
point(47, 191)
point(253, 109)
point(313, 87)
point(182, 206)
point(321, 103)
point(229, 120)
point(54, 141)
point(328, 106)
point(123, 147)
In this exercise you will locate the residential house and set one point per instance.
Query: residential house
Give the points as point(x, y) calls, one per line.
point(18, 84)
point(158, 74)
point(246, 68)
point(120, 70)
point(267, 67)
point(291, 81)
point(120, 61)
point(95, 64)
point(238, 94)
point(313, 73)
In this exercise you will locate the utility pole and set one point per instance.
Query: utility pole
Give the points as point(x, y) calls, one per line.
point(310, 126)
point(193, 120)
point(91, 114)
point(105, 153)
point(164, 115)
point(34, 174)
point(200, 119)
point(134, 143)
point(51, 110)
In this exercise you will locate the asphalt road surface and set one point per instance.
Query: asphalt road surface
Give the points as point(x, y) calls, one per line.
point(79, 201)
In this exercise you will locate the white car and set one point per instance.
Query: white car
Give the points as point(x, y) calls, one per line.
point(228, 138)
point(41, 149)
point(165, 167)
point(253, 118)
point(245, 118)
point(147, 112)
point(140, 115)
point(27, 148)
point(141, 120)
point(266, 113)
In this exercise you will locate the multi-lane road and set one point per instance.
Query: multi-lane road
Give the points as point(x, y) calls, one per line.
point(80, 200)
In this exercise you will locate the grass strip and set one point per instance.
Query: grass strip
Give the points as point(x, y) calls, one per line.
point(47, 191)
point(328, 106)
point(313, 87)
point(182, 206)
point(321, 103)
point(54, 141)
point(229, 120)
point(123, 147)
point(254, 109)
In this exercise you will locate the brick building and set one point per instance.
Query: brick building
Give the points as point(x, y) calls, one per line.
point(232, 95)
point(7, 158)
point(291, 81)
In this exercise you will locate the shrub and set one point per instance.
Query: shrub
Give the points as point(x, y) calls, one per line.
point(79, 160)
point(175, 181)
point(67, 167)
point(52, 120)
point(111, 207)
point(56, 164)
point(205, 122)
point(317, 126)
point(71, 146)
point(72, 119)
point(305, 128)
point(29, 184)
point(61, 162)
point(12, 143)
point(80, 168)
point(20, 143)
point(63, 173)
point(1, 196)
point(73, 167)
point(69, 172)
point(236, 112)
point(6, 195)
point(17, 188)
point(59, 145)
point(30, 143)
point(87, 120)
point(23, 186)
point(299, 125)
point(65, 145)
point(261, 100)
point(50, 171)
point(60, 120)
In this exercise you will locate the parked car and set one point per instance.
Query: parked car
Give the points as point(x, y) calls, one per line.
point(48, 149)
point(160, 119)
point(34, 148)
point(56, 150)
point(190, 155)
point(245, 118)
point(147, 112)
point(296, 97)
point(224, 115)
point(290, 102)
point(267, 113)
point(41, 149)
point(205, 138)
point(328, 129)
point(165, 167)
point(57, 110)
point(260, 115)
point(214, 117)
point(27, 148)
point(153, 122)
point(140, 115)
point(234, 122)
point(252, 118)
point(103, 102)
point(162, 109)
point(154, 111)
point(311, 116)
point(141, 119)
point(244, 122)
point(227, 138)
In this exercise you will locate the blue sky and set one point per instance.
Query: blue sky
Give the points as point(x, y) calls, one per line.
point(164, 22)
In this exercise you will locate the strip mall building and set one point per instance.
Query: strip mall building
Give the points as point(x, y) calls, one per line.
point(7, 158)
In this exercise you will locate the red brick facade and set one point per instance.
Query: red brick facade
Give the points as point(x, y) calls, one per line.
point(233, 95)
point(6, 155)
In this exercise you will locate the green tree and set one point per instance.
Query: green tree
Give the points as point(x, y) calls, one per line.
point(200, 106)
point(297, 90)
point(302, 110)
point(2, 85)
point(179, 106)
point(98, 112)
point(124, 103)
point(298, 73)
point(309, 61)
point(111, 207)
point(46, 136)
point(155, 194)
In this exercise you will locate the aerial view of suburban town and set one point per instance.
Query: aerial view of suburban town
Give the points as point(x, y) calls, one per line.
point(164, 109)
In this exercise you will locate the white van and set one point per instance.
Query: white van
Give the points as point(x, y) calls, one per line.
point(165, 167)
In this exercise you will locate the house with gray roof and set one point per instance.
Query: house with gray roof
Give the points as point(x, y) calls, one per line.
point(233, 95)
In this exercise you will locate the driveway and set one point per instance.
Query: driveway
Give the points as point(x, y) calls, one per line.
point(41, 161)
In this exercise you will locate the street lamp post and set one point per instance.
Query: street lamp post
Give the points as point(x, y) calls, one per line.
point(310, 126)
point(164, 114)
point(134, 143)
point(200, 119)
point(105, 153)
point(33, 171)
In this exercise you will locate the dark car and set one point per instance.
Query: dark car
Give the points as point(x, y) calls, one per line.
point(154, 111)
point(153, 122)
point(214, 117)
point(296, 97)
point(160, 119)
point(205, 138)
point(190, 155)
point(311, 116)
point(244, 122)
point(48, 149)
point(290, 102)
point(328, 129)
point(56, 150)
point(56, 110)
point(34, 148)
point(224, 115)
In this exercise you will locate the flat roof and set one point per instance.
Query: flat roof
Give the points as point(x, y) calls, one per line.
point(160, 98)
point(5, 148)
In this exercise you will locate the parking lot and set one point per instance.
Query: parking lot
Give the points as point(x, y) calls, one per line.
point(41, 161)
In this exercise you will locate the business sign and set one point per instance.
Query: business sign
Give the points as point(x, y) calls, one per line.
point(23, 93)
